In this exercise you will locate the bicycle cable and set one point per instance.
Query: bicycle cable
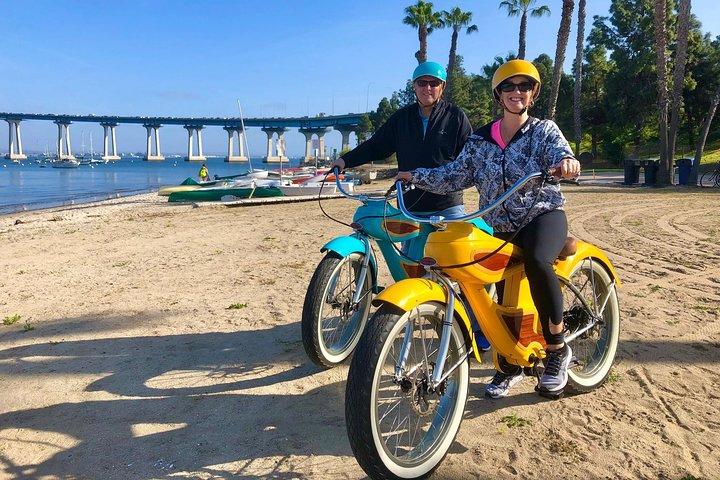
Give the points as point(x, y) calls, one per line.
point(502, 245)
point(486, 256)
point(322, 184)
point(319, 198)
point(405, 256)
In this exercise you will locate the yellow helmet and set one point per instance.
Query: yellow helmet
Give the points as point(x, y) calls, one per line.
point(516, 67)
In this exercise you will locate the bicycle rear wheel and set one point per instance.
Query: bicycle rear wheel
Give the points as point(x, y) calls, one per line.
point(595, 349)
point(710, 179)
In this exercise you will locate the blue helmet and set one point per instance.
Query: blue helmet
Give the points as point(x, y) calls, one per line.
point(430, 69)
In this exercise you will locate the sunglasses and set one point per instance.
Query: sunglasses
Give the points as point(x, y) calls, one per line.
point(508, 87)
point(425, 83)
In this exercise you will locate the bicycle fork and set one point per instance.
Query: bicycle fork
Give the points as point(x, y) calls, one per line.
point(438, 377)
point(363, 273)
point(596, 310)
point(359, 282)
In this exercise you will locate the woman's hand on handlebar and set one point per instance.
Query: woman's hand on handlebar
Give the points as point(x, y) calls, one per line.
point(567, 168)
point(405, 177)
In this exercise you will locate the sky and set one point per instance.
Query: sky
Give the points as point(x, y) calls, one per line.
point(196, 58)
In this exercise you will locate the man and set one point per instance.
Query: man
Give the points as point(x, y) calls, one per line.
point(425, 134)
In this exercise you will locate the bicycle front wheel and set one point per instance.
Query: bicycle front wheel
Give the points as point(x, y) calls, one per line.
point(331, 324)
point(397, 426)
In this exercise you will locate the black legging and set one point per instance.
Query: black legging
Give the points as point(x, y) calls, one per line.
point(542, 240)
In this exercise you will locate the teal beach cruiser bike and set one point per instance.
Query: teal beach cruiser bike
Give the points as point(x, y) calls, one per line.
point(338, 298)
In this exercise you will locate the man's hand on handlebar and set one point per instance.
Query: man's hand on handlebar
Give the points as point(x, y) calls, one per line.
point(405, 177)
point(339, 163)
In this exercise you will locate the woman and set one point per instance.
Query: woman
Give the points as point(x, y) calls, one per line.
point(495, 157)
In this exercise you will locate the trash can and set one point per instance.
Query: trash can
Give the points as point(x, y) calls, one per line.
point(631, 172)
point(684, 166)
point(651, 170)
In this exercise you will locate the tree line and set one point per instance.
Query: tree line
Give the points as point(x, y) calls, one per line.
point(644, 80)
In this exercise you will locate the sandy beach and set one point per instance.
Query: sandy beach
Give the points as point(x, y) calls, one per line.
point(163, 341)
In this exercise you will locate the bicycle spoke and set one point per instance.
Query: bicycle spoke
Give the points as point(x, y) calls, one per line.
point(410, 418)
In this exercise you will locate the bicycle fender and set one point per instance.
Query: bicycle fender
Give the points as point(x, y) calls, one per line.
point(347, 245)
point(586, 250)
point(344, 246)
point(411, 292)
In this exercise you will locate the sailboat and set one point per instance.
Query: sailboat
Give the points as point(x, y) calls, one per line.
point(252, 173)
point(93, 160)
point(81, 157)
point(65, 163)
point(58, 162)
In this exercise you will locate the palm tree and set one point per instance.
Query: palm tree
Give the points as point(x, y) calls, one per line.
point(562, 40)
point(521, 8)
point(578, 74)
point(422, 17)
point(683, 27)
point(660, 22)
point(456, 19)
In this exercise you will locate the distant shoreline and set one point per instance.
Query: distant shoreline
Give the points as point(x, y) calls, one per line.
point(81, 203)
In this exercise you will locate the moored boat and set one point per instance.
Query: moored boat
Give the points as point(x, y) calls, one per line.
point(65, 163)
point(314, 188)
point(236, 181)
point(216, 194)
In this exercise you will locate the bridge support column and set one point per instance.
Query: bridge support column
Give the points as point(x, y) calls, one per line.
point(308, 145)
point(195, 131)
point(321, 146)
point(64, 147)
point(109, 142)
point(232, 133)
point(279, 155)
point(15, 151)
point(153, 133)
point(310, 155)
point(345, 131)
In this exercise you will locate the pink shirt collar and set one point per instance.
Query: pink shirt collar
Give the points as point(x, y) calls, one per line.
point(496, 135)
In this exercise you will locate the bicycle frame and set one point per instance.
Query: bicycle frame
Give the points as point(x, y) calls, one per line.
point(512, 326)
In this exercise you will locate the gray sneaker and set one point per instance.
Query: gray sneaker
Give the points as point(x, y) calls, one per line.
point(555, 376)
point(501, 383)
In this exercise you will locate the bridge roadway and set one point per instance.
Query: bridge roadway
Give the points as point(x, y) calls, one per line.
point(308, 126)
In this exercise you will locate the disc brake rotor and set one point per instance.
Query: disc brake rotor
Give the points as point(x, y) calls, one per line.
point(422, 401)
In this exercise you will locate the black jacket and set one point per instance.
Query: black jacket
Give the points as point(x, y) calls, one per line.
point(402, 134)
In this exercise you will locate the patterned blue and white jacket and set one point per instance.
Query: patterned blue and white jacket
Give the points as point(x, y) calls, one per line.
point(537, 146)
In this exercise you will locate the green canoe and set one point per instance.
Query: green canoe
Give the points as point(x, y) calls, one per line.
point(211, 194)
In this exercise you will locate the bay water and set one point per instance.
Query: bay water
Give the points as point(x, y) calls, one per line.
point(32, 184)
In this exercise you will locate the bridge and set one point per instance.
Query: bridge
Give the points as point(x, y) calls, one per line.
point(276, 126)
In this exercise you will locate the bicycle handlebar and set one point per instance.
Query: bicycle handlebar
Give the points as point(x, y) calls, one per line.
point(363, 197)
point(487, 208)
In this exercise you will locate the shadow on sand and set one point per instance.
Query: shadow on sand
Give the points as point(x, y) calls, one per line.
point(194, 391)
point(195, 387)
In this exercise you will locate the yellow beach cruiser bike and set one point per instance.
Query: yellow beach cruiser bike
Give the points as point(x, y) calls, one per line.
point(408, 381)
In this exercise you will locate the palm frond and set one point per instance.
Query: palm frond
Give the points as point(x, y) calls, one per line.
point(512, 7)
point(540, 11)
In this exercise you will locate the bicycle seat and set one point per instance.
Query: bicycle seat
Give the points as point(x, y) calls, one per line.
point(568, 249)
